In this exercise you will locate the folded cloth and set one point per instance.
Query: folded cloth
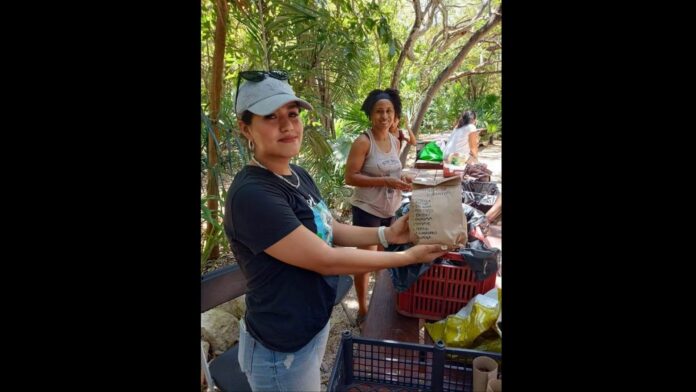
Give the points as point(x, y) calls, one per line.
point(479, 171)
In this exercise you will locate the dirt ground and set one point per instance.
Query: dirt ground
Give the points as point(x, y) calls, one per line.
point(341, 319)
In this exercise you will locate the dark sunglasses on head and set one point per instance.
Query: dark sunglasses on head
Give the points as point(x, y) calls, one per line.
point(257, 76)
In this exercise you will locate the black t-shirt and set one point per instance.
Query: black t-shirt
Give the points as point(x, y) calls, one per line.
point(286, 305)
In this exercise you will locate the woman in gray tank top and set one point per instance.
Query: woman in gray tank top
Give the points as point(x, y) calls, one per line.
point(374, 168)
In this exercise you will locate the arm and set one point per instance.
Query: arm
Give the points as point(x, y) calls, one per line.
point(401, 138)
point(268, 224)
point(348, 235)
point(356, 159)
point(495, 211)
point(304, 249)
point(412, 138)
point(473, 145)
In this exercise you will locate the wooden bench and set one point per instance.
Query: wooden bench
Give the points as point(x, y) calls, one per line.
point(218, 287)
point(420, 164)
point(383, 322)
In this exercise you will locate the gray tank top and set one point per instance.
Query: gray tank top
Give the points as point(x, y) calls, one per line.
point(379, 200)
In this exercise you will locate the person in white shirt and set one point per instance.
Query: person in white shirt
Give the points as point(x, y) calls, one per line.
point(462, 146)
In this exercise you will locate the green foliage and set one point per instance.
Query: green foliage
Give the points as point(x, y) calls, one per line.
point(217, 236)
point(353, 119)
point(330, 50)
point(489, 113)
point(316, 158)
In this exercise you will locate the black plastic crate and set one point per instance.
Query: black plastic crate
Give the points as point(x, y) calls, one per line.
point(379, 365)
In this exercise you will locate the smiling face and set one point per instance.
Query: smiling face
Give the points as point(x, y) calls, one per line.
point(278, 134)
point(382, 115)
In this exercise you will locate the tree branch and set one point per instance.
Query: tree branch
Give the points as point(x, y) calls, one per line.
point(416, 31)
point(456, 35)
point(430, 10)
point(448, 70)
point(469, 73)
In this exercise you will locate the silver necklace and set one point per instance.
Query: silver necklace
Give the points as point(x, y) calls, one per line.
point(278, 175)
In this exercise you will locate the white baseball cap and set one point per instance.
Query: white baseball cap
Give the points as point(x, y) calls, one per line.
point(266, 96)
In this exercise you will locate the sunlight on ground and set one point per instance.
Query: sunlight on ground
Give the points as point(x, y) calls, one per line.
point(351, 303)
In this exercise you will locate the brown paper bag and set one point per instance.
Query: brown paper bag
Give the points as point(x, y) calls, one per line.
point(436, 214)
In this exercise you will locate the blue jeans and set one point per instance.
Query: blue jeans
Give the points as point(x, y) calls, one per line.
point(268, 370)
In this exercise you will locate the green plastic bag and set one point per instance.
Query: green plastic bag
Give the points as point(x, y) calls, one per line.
point(431, 152)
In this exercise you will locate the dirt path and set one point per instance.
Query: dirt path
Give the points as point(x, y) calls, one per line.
point(491, 156)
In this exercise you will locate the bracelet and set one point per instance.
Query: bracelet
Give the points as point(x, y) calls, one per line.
point(382, 238)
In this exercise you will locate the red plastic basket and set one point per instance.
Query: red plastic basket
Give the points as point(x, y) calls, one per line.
point(442, 290)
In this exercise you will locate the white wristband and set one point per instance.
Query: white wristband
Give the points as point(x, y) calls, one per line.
point(382, 238)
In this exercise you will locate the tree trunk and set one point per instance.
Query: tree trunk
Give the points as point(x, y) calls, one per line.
point(215, 100)
point(326, 115)
point(447, 72)
point(407, 45)
point(379, 56)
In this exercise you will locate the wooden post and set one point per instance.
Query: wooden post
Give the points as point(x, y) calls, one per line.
point(215, 98)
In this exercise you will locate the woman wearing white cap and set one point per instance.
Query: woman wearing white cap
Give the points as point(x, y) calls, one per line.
point(282, 235)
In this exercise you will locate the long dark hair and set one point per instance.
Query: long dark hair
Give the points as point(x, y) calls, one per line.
point(466, 118)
